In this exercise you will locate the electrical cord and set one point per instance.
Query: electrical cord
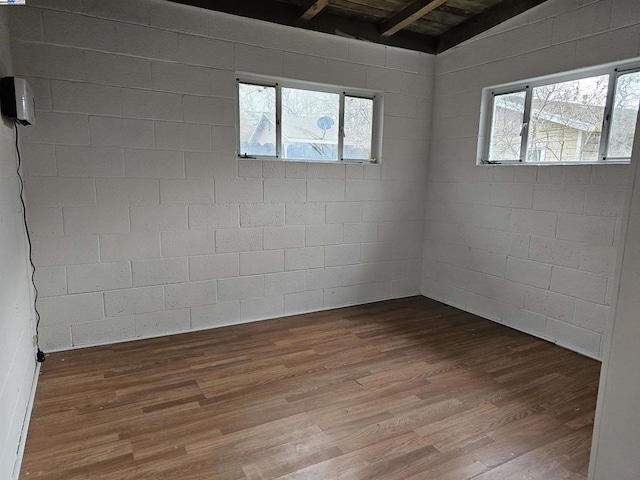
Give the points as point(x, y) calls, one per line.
point(40, 356)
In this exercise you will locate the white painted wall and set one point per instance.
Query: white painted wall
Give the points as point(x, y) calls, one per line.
point(531, 247)
point(17, 355)
point(144, 221)
point(616, 436)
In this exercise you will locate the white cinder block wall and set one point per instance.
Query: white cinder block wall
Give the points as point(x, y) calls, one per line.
point(144, 221)
point(17, 354)
point(531, 247)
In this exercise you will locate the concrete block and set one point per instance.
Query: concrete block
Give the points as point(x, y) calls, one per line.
point(321, 278)
point(305, 214)
point(189, 190)
point(162, 323)
point(51, 281)
point(255, 263)
point(79, 161)
point(58, 128)
point(211, 267)
point(323, 235)
point(530, 273)
point(179, 78)
point(190, 294)
point(575, 283)
point(98, 277)
point(77, 97)
point(555, 252)
point(218, 315)
point(158, 218)
point(336, 255)
point(260, 215)
point(344, 212)
point(302, 302)
point(231, 289)
point(110, 330)
point(549, 304)
point(531, 222)
point(71, 309)
point(154, 164)
point(121, 132)
point(577, 338)
point(304, 258)
point(204, 217)
point(600, 260)
point(151, 105)
point(261, 308)
point(238, 191)
point(238, 240)
point(188, 137)
point(604, 200)
point(559, 198)
point(206, 52)
point(45, 221)
point(325, 190)
point(186, 243)
point(592, 316)
point(58, 251)
point(284, 283)
point(134, 300)
point(360, 232)
point(147, 42)
point(283, 237)
point(119, 70)
point(48, 61)
point(210, 165)
point(94, 220)
point(127, 191)
point(586, 229)
point(134, 246)
point(285, 190)
point(159, 271)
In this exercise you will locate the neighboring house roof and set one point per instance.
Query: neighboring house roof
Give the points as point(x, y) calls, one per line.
point(295, 129)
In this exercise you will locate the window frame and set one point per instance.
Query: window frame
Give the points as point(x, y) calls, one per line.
point(343, 92)
point(614, 71)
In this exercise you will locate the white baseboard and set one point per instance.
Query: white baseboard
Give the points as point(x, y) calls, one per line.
point(25, 426)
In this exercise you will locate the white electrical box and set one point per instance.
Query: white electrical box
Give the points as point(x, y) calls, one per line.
point(17, 100)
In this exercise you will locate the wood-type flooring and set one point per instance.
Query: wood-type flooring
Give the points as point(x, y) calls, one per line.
point(401, 389)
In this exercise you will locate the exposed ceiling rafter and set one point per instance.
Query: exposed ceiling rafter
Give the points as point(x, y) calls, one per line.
point(312, 8)
point(287, 14)
point(409, 15)
point(392, 32)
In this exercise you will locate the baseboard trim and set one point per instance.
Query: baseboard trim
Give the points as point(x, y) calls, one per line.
point(25, 425)
point(230, 324)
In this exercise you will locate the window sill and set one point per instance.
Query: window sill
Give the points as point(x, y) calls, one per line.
point(547, 164)
point(304, 160)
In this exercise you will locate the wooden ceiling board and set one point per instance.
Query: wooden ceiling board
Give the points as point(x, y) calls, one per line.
point(406, 24)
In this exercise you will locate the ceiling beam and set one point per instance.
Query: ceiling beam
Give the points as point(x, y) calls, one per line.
point(409, 15)
point(286, 14)
point(483, 22)
point(312, 8)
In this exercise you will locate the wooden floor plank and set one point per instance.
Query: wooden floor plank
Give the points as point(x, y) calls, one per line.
point(399, 389)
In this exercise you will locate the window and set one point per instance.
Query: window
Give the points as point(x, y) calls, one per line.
point(299, 121)
point(568, 119)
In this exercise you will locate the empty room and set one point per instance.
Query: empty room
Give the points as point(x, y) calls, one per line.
point(320, 239)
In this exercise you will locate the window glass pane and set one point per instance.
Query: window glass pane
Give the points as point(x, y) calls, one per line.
point(358, 128)
point(310, 124)
point(566, 121)
point(624, 116)
point(257, 106)
point(506, 127)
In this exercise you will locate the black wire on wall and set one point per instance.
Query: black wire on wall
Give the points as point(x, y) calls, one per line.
point(40, 355)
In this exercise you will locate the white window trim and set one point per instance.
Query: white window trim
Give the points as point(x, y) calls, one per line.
point(614, 70)
point(279, 83)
